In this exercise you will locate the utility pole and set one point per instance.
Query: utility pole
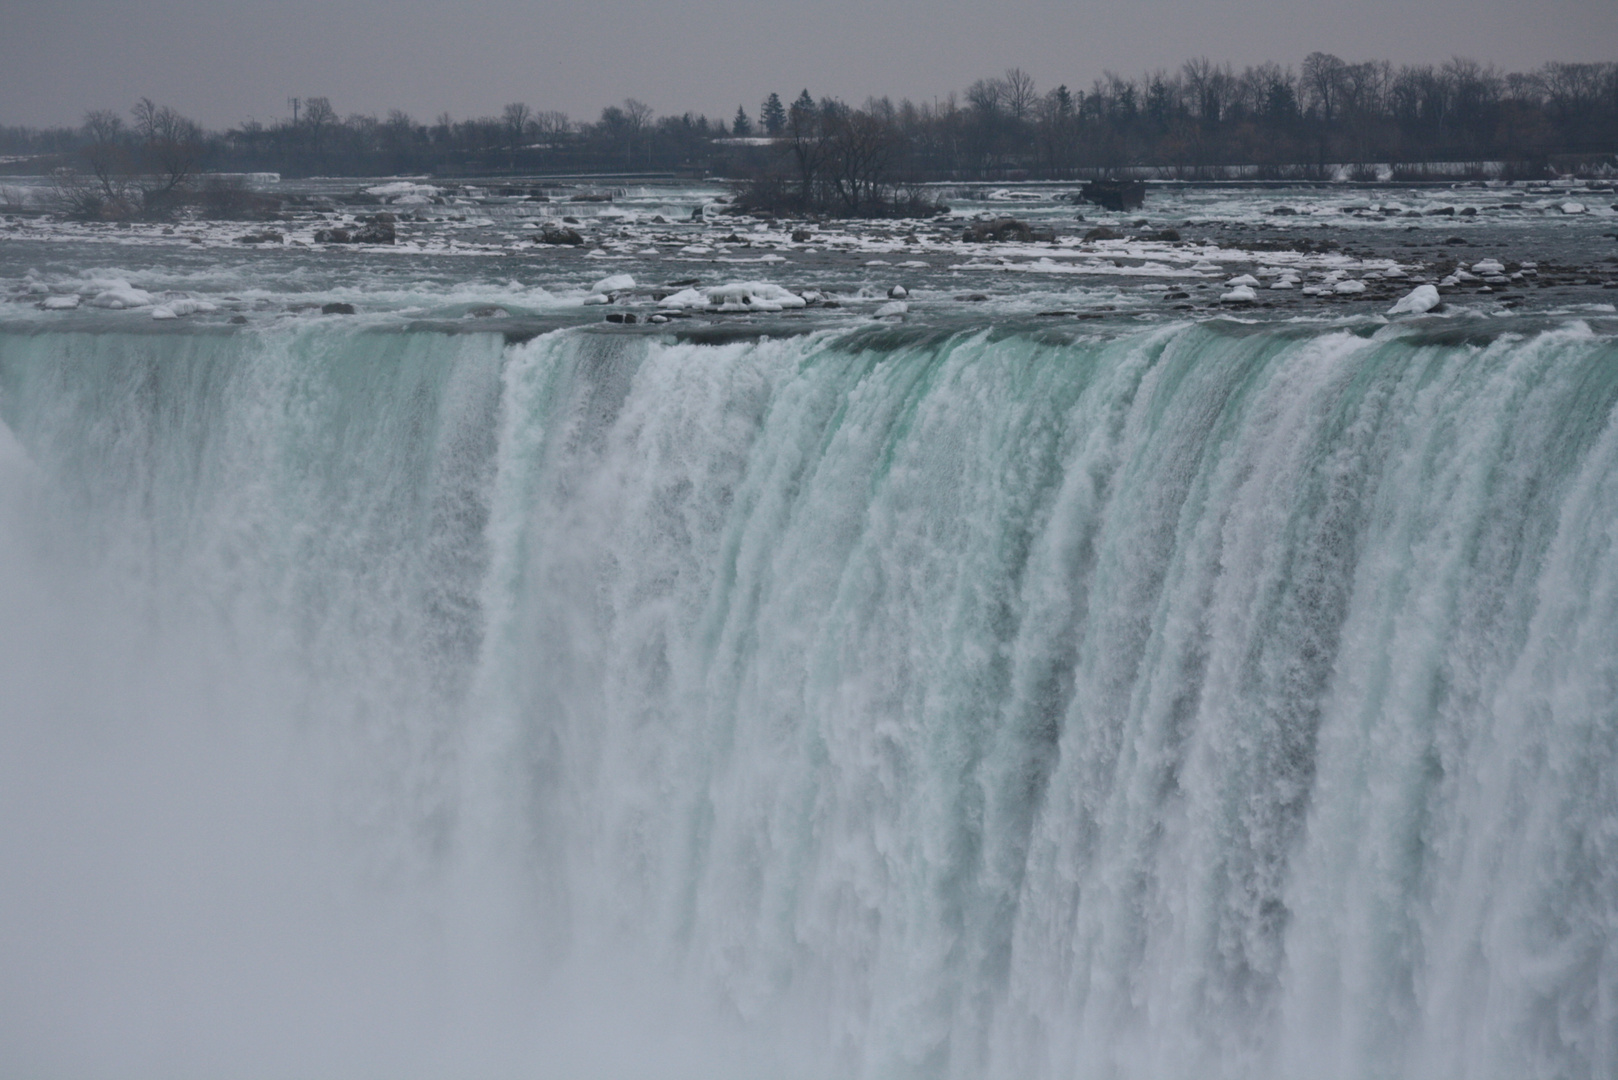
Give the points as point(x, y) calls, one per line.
point(294, 103)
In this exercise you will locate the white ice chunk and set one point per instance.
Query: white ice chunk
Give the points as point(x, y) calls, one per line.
point(60, 303)
point(753, 296)
point(685, 298)
point(175, 309)
point(888, 310)
point(614, 283)
point(1241, 294)
point(1572, 208)
point(118, 294)
point(1418, 301)
point(736, 296)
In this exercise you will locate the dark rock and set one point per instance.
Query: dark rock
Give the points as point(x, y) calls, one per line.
point(488, 311)
point(554, 234)
point(268, 236)
point(332, 236)
point(375, 233)
point(1000, 229)
point(1101, 232)
point(569, 219)
point(1284, 211)
point(383, 218)
point(1115, 194)
point(1456, 241)
point(1469, 211)
point(1442, 211)
point(1177, 296)
point(591, 196)
point(1166, 236)
point(626, 317)
point(972, 298)
point(802, 236)
point(337, 309)
point(239, 320)
point(683, 283)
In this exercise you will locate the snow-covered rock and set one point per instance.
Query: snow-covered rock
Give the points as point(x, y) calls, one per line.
point(1348, 288)
point(597, 298)
point(402, 188)
point(898, 292)
point(891, 309)
point(1572, 208)
point(119, 294)
point(1284, 283)
point(60, 303)
point(753, 296)
point(735, 296)
point(1488, 266)
point(1241, 294)
point(1245, 279)
point(1418, 301)
point(614, 283)
point(175, 309)
point(685, 298)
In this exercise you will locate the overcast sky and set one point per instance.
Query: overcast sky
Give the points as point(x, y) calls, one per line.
point(222, 63)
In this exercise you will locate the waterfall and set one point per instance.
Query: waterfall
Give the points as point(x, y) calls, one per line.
point(1203, 701)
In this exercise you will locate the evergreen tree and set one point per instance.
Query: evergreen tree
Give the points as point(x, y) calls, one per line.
point(773, 114)
point(741, 125)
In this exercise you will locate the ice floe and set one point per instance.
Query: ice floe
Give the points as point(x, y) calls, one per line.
point(1418, 301)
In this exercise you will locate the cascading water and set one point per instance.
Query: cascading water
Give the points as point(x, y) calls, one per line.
point(1209, 702)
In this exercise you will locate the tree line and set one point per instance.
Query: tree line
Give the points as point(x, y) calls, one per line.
point(823, 153)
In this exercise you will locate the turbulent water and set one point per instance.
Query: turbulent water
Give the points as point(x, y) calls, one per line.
point(1194, 701)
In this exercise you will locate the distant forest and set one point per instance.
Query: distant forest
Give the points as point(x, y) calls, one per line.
point(1200, 121)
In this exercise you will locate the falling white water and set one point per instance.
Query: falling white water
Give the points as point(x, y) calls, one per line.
point(1211, 702)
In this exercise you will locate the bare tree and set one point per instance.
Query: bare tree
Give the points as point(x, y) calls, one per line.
point(107, 153)
point(171, 147)
point(637, 120)
point(1322, 82)
point(516, 117)
point(318, 118)
point(1017, 93)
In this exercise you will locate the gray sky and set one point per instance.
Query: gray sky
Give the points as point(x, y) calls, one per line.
point(222, 63)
